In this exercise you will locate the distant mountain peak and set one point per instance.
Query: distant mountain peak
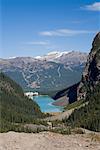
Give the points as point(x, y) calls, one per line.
point(58, 56)
point(52, 55)
point(38, 57)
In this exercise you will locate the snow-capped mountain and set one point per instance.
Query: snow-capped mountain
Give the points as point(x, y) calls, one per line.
point(46, 73)
point(65, 57)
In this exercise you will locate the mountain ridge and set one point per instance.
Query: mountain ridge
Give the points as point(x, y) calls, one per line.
point(45, 75)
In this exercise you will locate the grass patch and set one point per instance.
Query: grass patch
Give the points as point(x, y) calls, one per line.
point(74, 105)
point(61, 130)
point(94, 137)
point(78, 131)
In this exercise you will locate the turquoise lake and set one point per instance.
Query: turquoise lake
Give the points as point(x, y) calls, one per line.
point(45, 103)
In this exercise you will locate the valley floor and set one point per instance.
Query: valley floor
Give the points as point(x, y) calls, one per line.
point(49, 141)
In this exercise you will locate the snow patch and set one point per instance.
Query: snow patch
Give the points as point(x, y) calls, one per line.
point(38, 57)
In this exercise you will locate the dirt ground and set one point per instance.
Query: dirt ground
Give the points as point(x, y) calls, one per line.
point(48, 141)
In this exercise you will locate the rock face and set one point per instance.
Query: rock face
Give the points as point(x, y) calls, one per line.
point(91, 74)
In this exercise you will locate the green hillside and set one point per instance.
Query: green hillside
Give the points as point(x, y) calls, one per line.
point(14, 106)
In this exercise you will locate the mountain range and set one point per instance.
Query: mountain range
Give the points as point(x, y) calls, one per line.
point(17, 109)
point(46, 74)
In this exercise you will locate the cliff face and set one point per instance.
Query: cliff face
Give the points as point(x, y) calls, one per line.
point(91, 74)
point(89, 90)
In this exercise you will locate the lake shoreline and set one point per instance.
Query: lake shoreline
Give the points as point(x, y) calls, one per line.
point(46, 104)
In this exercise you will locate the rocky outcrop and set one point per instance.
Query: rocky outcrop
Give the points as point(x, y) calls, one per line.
point(91, 74)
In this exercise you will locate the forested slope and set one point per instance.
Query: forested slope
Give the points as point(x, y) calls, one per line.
point(14, 106)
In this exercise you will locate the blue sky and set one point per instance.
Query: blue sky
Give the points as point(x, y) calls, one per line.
point(36, 27)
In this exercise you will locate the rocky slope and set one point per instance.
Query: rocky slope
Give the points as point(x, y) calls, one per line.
point(46, 74)
point(91, 74)
point(66, 96)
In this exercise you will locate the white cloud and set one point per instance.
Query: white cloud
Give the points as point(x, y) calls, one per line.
point(38, 43)
point(93, 7)
point(64, 32)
